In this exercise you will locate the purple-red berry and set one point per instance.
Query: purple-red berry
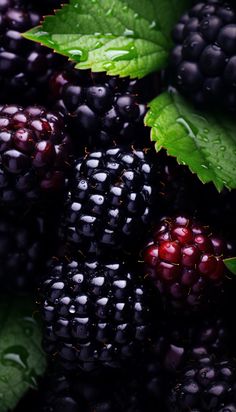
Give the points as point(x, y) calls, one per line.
point(185, 261)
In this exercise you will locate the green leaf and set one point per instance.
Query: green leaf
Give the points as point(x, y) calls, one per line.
point(21, 356)
point(231, 264)
point(203, 141)
point(122, 37)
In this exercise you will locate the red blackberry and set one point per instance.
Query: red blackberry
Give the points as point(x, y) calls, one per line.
point(95, 313)
point(25, 67)
point(185, 260)
point(34, 153)
point(206, 384)
point(102, 110)
point(110, 201)
point(203, 62)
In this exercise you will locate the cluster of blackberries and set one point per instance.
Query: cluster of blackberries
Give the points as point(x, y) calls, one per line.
point(136, 300)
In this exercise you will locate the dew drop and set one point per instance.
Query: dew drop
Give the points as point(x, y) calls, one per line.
point(222, 148)
point(216, 141)
point(15, 356)
point(128, 33)
point(204, 166)
point(152, 25)
point(187, 126)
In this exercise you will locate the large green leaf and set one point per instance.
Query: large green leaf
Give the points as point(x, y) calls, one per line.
point(22, 359)
point(122, 37)
point(203, 141)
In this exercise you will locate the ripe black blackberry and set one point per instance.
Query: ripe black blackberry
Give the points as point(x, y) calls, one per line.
point(182, 338)
point(102, 110)
point(25, 67)
point(185, 260)
point(34, 153)
point(111, 200)
point(206, 384)
point(136, 389)
point(96, 313)
point(203, 62)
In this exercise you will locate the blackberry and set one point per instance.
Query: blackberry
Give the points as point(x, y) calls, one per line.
point(185, 261)
point(102, 110)
point(95, 313)
point(206, 384)
point(110, 201)
point(182, 338)
point(203, 62)
point(130, 390)
point(34, 153)
point(25, 67)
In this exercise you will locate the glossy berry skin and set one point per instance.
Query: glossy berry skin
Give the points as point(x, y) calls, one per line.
point(103, 110)
point(185, 260)
point(110, 201)
point(203, 62)
point(95, 314)
point(34, 153)
point(25, 67)
point(206, 384)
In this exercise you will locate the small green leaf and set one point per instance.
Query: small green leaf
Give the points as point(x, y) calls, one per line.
point(122, 37)
point(204, 142)
point(231, 265)
point(21, 356)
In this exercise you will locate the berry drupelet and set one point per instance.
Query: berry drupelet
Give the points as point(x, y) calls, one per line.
point(203, 62)
point(34, 153)
point(25, 67)
point(205, 384)
point(96, 314)
point(185, 260)
point(103, 110)
point(111, 200)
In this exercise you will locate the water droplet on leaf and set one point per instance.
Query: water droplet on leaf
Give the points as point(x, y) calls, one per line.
point(15, 356)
